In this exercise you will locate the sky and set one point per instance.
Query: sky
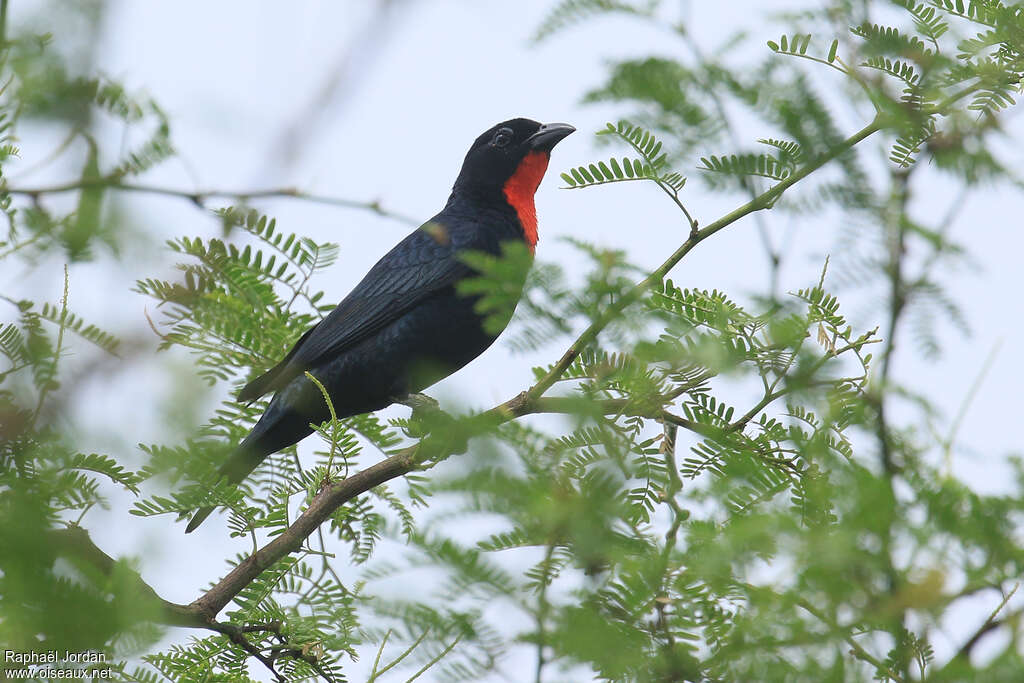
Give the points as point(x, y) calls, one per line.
point(241, 83)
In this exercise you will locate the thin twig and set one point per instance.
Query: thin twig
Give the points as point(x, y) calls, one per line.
point(398, 659)
point(543, 607)
point(199, 197)
point(380, 652)
point(774, 256)
point(51, 381)
point(897, 305)
point(988, 625)
point(961, 412)
point(236, 634)
point(334, 423)
point(441, 655)
point(21, 245)
point(239, 639)
point(858, 651)
point(762, 201)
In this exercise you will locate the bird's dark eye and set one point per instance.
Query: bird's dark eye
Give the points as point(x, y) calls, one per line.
point(502, 137)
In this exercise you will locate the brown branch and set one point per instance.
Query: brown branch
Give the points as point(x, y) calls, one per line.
point(336, 494)
point(422, 455)
point(200, 197)
point(237, 637)
point(74, 543)
point(236, 634)
point(323, 505)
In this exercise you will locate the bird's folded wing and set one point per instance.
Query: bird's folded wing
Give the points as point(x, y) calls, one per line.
point(417, 268)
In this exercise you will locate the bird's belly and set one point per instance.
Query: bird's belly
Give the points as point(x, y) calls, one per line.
point(425, 345)
point(435, 339)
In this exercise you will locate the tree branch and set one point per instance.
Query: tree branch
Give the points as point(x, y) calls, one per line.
point(74, 543)
point(236, 634)
point(323, 505)
point(199, 197)
point(856, 648)
point(762, 201)
point(990, 624)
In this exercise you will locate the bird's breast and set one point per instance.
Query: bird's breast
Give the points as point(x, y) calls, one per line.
point(519, 190)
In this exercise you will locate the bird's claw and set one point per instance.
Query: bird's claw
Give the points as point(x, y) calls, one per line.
point(426, 413)
point(421, 404)
point(428, 418)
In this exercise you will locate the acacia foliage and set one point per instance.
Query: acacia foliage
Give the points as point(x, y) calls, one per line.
point(725, 496)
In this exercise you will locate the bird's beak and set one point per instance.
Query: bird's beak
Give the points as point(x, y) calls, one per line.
point(549, 135)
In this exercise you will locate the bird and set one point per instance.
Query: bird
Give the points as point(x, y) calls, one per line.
point(405, 325)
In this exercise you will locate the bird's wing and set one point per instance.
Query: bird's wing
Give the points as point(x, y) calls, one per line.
point(419, 266)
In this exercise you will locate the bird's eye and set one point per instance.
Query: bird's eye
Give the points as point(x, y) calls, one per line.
point(502, 137)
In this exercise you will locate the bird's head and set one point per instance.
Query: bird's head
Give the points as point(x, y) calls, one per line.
point(514, 151)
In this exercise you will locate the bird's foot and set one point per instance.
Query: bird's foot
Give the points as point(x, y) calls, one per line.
point(421, 404)
point(426, 413)
point(428, 418)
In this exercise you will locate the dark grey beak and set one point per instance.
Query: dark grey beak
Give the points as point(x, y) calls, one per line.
point(549, 135)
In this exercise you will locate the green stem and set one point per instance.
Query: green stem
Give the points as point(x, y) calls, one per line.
point(762, 201)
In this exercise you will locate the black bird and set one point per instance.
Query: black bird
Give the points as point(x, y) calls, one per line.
point(405, 326)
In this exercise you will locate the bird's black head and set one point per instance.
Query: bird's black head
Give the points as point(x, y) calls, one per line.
point(497, 155)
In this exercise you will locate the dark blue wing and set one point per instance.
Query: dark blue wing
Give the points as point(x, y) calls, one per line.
point(421, 265)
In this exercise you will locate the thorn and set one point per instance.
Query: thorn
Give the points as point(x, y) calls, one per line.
point(152, 325)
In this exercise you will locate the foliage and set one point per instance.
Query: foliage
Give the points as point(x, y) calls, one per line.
point(725, 494)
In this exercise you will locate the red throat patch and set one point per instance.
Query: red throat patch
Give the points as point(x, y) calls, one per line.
point(520, 188)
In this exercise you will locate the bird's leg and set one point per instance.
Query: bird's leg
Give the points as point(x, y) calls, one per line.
point(428, 418)
point(426, 413)
point(421, 404)
point(418, 401)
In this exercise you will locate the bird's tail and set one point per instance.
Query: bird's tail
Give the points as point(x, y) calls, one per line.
point(237, 467)
point(198, 518)
point(274, 431)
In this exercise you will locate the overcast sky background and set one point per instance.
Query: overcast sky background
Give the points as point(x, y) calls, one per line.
point(422, 82)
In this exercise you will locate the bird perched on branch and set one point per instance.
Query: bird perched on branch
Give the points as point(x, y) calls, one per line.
point(405, 325)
